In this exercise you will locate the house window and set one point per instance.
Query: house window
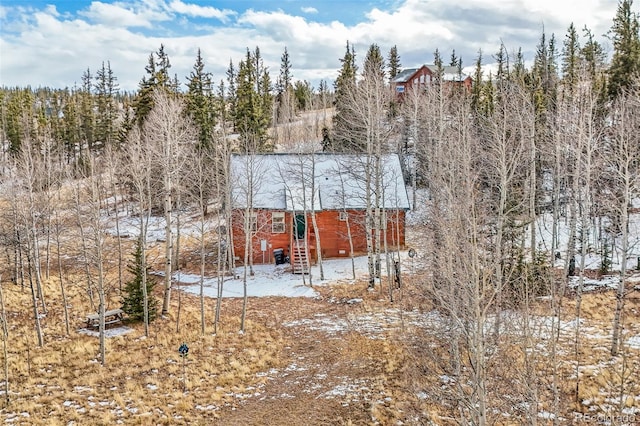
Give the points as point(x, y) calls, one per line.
point(400, 89)
point(277, 222)
point(343, 216)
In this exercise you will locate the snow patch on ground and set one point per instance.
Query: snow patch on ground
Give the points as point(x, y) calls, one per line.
point(277, 280)
point(634, 342)
point(109, 332)
point(589, 284)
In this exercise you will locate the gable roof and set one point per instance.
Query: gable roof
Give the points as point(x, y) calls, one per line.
point(404, 75)
point(319, 181)
point(449, 73)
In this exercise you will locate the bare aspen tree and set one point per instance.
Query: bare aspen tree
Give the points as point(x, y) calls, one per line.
point(299, 173)
point(167, 131)
point(98, 242)
point(247, 172)
point(30, 168)
point(291, 174)
point(391, 209)
point(89, 196)
point(366, 105)
point(25, 196)
point(114, 179)
point(223, 184)
point(57, 225)
point(462, 277)
point(49, 181)
point(411, 113)
point(507, 137)
point(315, 194)
point(342, 198)
point(559, 161)
point(84, 238)
point(579, 132)
point(202, 177)
point(623, 156)
point(5, 341)
point(139, 172)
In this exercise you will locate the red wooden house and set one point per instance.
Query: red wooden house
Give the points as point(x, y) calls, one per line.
point(416, 78)
point(277, 198)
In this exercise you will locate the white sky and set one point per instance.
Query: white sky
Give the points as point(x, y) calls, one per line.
point(51, 43)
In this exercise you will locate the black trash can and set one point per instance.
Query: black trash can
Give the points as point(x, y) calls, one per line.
point(278, 255)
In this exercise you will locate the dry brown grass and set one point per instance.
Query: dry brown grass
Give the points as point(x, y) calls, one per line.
point(142, 382)
point(142, 379)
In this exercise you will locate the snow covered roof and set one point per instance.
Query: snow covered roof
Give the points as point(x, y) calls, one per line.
point(449, 73)
point(404, 75)
point(320, 181)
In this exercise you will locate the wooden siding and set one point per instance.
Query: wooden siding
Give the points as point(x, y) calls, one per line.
point(333, 234)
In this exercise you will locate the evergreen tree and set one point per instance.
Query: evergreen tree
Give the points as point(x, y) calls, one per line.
point(106, 87)
point(284, 80)
point(571, 59)
point(71, 125)
point(157, 78)
point(231, 93)
point(502, 61)
point(199, 101)
point(87, 115)
point(519, 71)
point(543, 81)
point(252, 112)
point(373, 63)
point(477, 100)
point(455, 61)
point(302, 92)
point(284, 90)
point(344, 86)
point(128, 121)
point(144, 102)
point(593, 55)
point(133, 301)
point(593, 60)
point(18, 117)
point(625, 63)
point(393, 63)
point(437, 61)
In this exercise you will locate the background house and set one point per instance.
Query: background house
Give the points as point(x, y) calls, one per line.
point(276, 196)
point(424, 76)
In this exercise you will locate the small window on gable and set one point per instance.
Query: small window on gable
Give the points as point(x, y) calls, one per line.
point(343, 216)
point(277, 222)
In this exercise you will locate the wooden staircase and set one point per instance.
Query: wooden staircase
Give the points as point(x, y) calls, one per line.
point(300, 257)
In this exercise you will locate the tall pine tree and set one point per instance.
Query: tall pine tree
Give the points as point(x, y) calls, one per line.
point(344, 85)
point(393, 63)
point(625, 63)
point(157, 78)
point(199, 102)
point(252, 109)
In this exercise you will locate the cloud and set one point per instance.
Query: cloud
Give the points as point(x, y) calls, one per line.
point(123, 15)
point(56, 47)
point(200, 11)
point(309, 9)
